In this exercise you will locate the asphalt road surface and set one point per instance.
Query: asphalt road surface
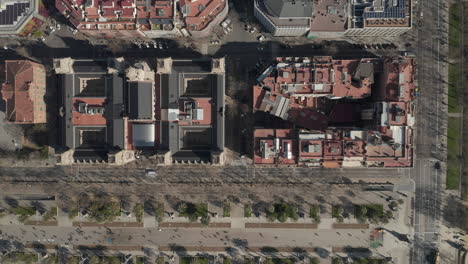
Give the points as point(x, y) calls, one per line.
point(198, 174)
point(431, 50)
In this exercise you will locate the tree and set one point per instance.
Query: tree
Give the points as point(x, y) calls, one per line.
point(104, 210)
point(282, 212)
point(375, 212)
point(181, 207)
point(337, 260)
point(393, 205)
point(159, 212)
point(51, 214)
point(205, 220)
point(361, 261)
point(361, 213)
point(194, 211)
point(337, 212)
point(248, 210)
point(315, 213)
point(226, 209)
point(73, 213)
point(138, 211)
point(314, 260)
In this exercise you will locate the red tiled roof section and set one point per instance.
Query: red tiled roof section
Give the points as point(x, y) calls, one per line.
point(344, 85)
point(397, 81)
point(23, 92)
point(87, 119)
point(202, 12)
point(81, 12)
point(161, 10)
point(333, 148)
point(266, 141)
point(354, 148)
point(205, 104)
point(71, 10)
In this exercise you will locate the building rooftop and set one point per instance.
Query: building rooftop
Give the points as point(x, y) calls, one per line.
point(141, 100)
point(118, 14)
point(23, 91)
point(385, 148)
point(93, 107)
point(292, 88)
point(329, 16)
point(144, 15)
point(276, 11)
point(12, 11)
point(16, 15)
point(381, 13)
point(346, 112)
point(275, 146)
point(397, 81)
point(334, 18)
point(190, 108)
point(288, 8)
point(199, 13)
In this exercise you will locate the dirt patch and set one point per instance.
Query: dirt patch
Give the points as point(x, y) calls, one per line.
point(42, 223)
point(113, 224)
point(350, 226)
point(100, 248)
point(280, 225)
point(195, 225)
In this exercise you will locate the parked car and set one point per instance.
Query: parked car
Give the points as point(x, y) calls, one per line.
point(150, 173)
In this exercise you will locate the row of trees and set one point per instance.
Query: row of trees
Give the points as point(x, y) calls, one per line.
point(24, 212)
point(194, 212)
point(106, 210)
point(373, 213)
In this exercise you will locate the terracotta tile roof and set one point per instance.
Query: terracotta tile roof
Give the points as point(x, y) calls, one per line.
point(88, 119)
point(397, 81)
point(278, 146)
point(23, 92)
point(201, 12)
point(304, 92)
point(205, 104)
point(85, 14)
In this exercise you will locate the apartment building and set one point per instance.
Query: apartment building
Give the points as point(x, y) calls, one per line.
point(337, 113)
